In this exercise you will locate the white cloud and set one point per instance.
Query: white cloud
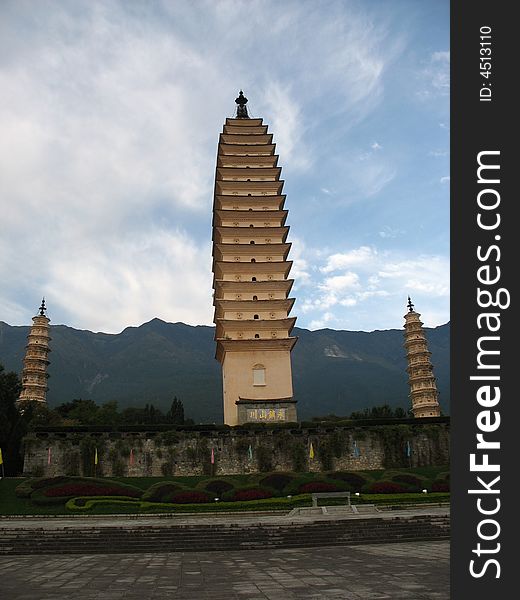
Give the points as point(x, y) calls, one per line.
point(322, 322)
point(445, 179)
point(436, 76)
point(110, 117)
point(339, 283)
point(289, 125)
point(358, 256)
point(390, 232)
point(376, 292)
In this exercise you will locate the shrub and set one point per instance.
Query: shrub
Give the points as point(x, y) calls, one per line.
point(82, 489)
point(162, 492)
point(37, 484)
point(317, 486)
point(191, 497)
point(24, 489)
point(353, 481)
point(277, 481)
point(251, 494)
point(440, 486)
point(386, 487)
point(218, 486)
point(409, 480)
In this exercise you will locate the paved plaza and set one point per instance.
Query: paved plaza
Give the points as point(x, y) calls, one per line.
point(401, 571)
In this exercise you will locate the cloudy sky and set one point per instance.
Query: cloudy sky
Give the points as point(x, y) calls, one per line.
point(110, 113)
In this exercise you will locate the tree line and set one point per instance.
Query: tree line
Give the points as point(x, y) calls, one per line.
point(15, 424)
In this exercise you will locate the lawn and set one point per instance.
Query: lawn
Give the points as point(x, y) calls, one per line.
point(259, 491)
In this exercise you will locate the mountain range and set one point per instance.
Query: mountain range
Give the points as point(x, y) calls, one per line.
point(334, 372)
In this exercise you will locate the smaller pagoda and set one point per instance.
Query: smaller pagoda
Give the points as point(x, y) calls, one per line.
point(423, 389)
point(34, 374)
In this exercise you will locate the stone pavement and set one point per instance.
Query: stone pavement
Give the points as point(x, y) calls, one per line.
point(58, 522)
point(401, 571)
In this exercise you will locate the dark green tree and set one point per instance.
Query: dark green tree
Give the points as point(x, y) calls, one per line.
point(176, 413)
point(79, 411)
point(13, 425)
point(380, 412)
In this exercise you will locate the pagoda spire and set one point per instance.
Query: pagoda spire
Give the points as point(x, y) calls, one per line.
point(241, 106)
point(423, 389)
point(251, 275)
point(34, 374)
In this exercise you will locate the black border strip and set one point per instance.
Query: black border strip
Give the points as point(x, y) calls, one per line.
point(478, 126)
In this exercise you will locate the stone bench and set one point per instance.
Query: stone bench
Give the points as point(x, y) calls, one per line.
point(318, 495)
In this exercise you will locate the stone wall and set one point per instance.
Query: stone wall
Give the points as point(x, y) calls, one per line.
point(150, 453)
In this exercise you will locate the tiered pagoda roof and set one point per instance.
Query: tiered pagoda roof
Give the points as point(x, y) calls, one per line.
point(250, 251)
point(423, 389)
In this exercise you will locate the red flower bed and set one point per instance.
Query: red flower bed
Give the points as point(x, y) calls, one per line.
point(386, 487)
point(85, 489)
point(191, 498)
point(408, 479)
point(317, 486)
point(440, 486)
point(253, 494)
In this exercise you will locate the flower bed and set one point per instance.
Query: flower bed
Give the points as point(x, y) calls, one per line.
point(251, 494)
point(81, 489)
point(191, 497)
point(318, 486)
point(386, 487)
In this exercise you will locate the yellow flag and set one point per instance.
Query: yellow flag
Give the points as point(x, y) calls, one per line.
point(311, 451)
point(95, 458)
point(1, 459)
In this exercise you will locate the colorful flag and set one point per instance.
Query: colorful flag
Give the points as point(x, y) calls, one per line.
point(96, 457)
point(49, 455)
point(131, 456)
point(311, 451)
point(1, 458)
point(357, 451)
point(408, 449)
point(212, 457)
point(250, 452)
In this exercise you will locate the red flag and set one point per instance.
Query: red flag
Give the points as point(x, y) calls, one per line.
point(212, 457)
point(131, 456)
point(49, 455)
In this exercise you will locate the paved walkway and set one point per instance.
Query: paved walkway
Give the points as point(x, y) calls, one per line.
point(97, 521)
point(406, 571)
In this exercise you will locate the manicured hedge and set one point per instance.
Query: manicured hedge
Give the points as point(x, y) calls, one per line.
point(251, 494)
point(162, 492)
point(84, 489)
point(354, 481)
point(318, 486)
point(440, 486)
point(129, 505)
point(408, 480)
point(277, 481)
point(385, 487)
point(218, 486)
point(191, 497)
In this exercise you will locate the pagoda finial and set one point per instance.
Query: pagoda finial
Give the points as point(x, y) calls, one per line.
point(43, 308)
point(242, 108)
point(410, 304)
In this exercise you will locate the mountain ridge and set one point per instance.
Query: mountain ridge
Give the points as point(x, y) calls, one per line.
point(334, 371)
